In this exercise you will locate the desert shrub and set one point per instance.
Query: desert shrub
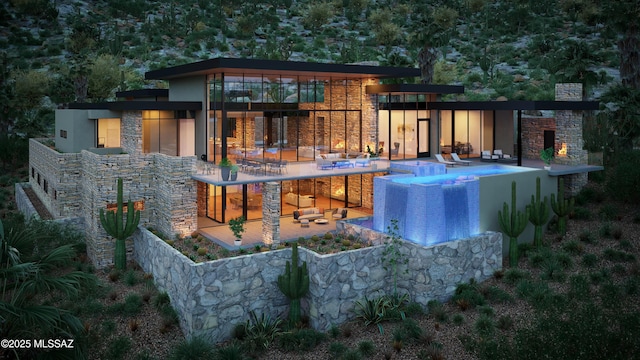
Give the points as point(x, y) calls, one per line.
point(514, 275)
point(581, 213)
point(300, 340)
point(437, 310)
point(366, 348)
point(617, 255)
point(496, 295)
point(587, 237)
point(132, 304)
point(458, 319)
point(198, 348)
point(505, 322)
point(609, 212)
point(589, 260)
point(119, 347)
point(469, 295)
point(573, 247)
point(485, 326)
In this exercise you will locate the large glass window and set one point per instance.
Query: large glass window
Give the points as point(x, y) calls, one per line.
point(164, 132)
point(465, 132)
point(108, 133)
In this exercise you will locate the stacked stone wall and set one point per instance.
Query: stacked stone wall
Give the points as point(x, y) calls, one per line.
point(271, 212)
point(533, 135)
point(99, 188)
point(212, 297)
point(175, 206)
point(569, 132)
point(62, 173)
point(131, 135)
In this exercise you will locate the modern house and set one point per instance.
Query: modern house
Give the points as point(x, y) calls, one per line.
point(162, 142)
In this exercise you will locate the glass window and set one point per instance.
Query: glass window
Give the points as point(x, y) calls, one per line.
point(162, 132)
point(108, 133)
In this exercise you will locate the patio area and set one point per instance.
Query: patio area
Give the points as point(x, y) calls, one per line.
point(289, 230)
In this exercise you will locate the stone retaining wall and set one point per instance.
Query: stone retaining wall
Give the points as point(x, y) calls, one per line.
point(29, 211)
point(212, 297)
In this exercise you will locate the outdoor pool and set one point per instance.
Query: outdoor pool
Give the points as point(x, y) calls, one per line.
point(434, 208)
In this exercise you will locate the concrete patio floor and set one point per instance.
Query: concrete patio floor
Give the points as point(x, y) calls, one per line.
point(289, 230)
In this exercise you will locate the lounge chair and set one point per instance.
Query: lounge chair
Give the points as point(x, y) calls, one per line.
point(442, 160)
point(457, 159)
point(499, 153)
point(487, 156)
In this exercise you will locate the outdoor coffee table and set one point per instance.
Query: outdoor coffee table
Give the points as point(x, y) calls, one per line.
point(321, 221)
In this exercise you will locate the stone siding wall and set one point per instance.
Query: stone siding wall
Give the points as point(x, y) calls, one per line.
point(212, 297)
point(23, 203)
point(29, 211)
point(99, 188)
point(131, 135)
point(175, 208)
point(161, 181)
point(62, 173)
point(533, 135)
point(569, 132)
point(271, 212)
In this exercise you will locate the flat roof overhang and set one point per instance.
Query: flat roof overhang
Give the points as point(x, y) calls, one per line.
point(400, 89)
point(143, 93)
point(286, 68)
point(140, 105)
point(515, 105)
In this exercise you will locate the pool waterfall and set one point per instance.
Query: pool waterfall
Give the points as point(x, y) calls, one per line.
point(429, 210)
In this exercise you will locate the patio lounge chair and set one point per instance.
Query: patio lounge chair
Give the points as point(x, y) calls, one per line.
point(442, 160)
point(457, 159)
point(487, 156)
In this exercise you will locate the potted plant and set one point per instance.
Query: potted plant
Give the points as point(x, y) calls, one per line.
point(225, 168)
point(547, 155)
point(234, 172)
point(237, 228)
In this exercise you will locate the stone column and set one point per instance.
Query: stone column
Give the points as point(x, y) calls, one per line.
point(131, 134)
point(271, 213)
point(569, 140)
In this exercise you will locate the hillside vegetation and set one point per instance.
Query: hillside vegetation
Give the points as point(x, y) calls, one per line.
point(58, 52)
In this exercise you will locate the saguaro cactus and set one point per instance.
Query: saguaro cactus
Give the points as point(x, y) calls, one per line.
point(563, 207)
point(513, 225)
point(294, 284)
point(120, 228)
point(538, 214)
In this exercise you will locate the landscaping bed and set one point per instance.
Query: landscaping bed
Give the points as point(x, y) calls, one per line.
point(199, 249)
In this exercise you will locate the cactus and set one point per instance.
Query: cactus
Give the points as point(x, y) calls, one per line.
point(538, 214)
point(294, 284)
point(563, 207)
point(115, 225)
point(513, 225)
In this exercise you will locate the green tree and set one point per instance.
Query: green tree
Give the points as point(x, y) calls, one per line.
point(317, 15)
point(623, 16)
point(103, 78)
point(434, 28)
